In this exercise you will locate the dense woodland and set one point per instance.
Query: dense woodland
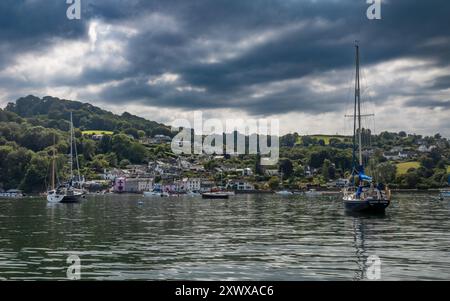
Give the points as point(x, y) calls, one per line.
point(31, 128)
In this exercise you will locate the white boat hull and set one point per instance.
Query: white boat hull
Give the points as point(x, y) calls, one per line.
point(193, 194)
point(155, 194)
point(10, 195)
point(445, 194)
point(54, 197)
point(284, 193)
point(313, 193)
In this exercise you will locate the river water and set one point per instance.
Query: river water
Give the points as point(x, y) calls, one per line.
point(248, 237)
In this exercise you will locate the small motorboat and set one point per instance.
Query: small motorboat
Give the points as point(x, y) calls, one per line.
point(11, 194)
point(312, 192)
point(284, 192)
point(444, 194)
point(156, 193)
point(215, 195)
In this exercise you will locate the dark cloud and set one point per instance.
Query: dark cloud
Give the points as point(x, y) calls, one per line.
point(225, 51)
point(36, 20)
point(30, 25)
point(430, 104)
point(441, 83)
point(324, 43)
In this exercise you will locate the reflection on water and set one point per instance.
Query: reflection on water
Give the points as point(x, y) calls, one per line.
point(360, 251)
point(248, 237)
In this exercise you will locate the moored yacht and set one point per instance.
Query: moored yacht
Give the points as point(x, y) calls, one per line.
point(70, 191)
point(365, 195)
point(64, 194)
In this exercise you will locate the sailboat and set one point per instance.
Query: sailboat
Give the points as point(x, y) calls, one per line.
point(66, 192)
point(366, 196)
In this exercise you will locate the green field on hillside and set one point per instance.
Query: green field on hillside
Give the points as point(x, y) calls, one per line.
point(97, 132)
point(402, 168)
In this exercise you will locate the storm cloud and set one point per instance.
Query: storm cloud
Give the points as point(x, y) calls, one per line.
point(255, 58)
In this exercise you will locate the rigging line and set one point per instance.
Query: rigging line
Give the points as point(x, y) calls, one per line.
point(71, 147)
point(348, 97)
point(47, 174)
point(368, 88)
point(56, 173)
point(76, 160)
point(370, 106)
point(369, 102)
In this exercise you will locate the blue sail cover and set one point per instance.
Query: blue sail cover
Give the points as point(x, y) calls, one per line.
point(362, 175)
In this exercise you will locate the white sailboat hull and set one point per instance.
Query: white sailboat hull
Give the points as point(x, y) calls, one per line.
point(72, 197)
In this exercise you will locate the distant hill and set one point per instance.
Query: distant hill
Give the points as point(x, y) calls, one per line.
point(53, 112)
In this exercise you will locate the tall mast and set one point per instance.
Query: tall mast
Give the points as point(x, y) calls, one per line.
point(358, 99)
point(71, 147)
point(53, 163)
point(354, 121)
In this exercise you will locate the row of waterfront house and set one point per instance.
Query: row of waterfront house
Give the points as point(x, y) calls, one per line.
point(138, 185)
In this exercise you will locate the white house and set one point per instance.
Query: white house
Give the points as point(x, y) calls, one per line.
point(245, 171)
point(240, 185)
point(340, 183)
point(97, 137)
point(396, 156)
point(187, 184)
point(161, 138)
point(193, 184)
point(425, 149)
point(145, 184)
point(112, 174)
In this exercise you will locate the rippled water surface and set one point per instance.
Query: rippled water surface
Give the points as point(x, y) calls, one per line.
point(247, 237)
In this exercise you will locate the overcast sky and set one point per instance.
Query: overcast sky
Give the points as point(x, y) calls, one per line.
point(285, 59)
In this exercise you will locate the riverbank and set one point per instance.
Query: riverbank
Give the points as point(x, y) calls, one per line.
point(416, 190)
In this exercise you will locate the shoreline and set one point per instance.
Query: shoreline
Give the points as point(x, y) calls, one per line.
point(248, 192)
